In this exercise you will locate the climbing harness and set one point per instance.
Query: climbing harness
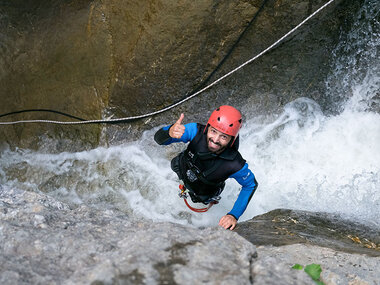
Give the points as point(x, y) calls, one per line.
point(188, 97)
point(183, 193)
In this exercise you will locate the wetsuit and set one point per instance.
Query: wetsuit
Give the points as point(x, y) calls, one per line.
point(204, 172)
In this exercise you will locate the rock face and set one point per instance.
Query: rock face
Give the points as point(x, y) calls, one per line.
point(43, 241)
point(337, 267)
point(285, 227)
point(96, 59)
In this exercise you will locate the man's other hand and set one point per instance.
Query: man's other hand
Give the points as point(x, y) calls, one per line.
point(176, 131)
point(228, 221)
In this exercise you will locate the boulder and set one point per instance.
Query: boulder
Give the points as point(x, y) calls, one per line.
point(44, 241)
point(284, 227)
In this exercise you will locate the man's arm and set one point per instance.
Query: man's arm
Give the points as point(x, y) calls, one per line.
point(249, 184)
point(176, 133)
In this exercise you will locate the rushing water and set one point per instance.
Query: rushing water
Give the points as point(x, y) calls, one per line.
point(301, 158)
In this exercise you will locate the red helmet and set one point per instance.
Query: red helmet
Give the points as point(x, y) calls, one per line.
point(226, 119)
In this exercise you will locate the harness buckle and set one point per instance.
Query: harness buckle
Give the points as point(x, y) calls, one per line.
point(182, 191)
point(213, 200)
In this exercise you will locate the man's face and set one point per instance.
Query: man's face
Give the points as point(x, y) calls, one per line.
point(216, 140)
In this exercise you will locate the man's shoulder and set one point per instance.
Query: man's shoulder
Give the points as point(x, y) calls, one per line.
point(192, 127)
point(192, 124)
point(196, 126)
point(191, 130)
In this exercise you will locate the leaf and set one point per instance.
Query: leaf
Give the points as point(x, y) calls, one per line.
point(297, 266)
point(314, 271)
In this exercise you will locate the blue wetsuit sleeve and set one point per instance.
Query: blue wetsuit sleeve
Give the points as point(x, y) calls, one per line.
point(247, 180)
point(191, 130)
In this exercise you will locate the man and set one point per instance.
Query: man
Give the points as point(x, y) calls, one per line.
point(211, 157)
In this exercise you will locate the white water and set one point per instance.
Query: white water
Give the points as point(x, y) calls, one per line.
point(302, 159)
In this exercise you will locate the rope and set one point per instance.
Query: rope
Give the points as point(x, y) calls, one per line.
point(193, 91)
point(198, 210)
point(43, 110)
point(232, 47)
point(187, 98)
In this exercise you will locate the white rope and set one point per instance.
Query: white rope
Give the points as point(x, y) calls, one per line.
point(187, 98)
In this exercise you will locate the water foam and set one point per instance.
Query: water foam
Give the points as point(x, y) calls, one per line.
point(310, 162)
point(302, 160)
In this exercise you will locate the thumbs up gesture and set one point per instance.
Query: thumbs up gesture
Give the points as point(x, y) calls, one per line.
point(176, 131)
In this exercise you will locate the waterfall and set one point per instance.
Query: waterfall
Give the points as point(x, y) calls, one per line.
point(301, 158)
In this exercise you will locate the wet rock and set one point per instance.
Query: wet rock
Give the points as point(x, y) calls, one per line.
point(95, 59)
point(286, 227)
point(348, 252)
point(100, 59)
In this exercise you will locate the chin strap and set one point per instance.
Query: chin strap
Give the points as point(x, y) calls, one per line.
point(183, 194)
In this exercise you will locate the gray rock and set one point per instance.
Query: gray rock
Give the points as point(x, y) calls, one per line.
point(337, 267)
point(43, 241)
point(284, 227)
point(270, 270)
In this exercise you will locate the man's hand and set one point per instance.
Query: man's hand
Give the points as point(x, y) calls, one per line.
point(228, 221)
point(176, 131)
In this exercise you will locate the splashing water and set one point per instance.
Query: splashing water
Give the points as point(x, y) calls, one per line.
point(307, 161)
point(301, 158)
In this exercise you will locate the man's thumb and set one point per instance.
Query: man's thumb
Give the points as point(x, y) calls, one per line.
point(179, 121)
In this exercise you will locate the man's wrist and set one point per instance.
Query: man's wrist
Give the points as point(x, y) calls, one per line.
point(229, 214)
point(162, 136)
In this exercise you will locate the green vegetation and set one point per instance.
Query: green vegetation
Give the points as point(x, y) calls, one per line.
point(313, 270)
